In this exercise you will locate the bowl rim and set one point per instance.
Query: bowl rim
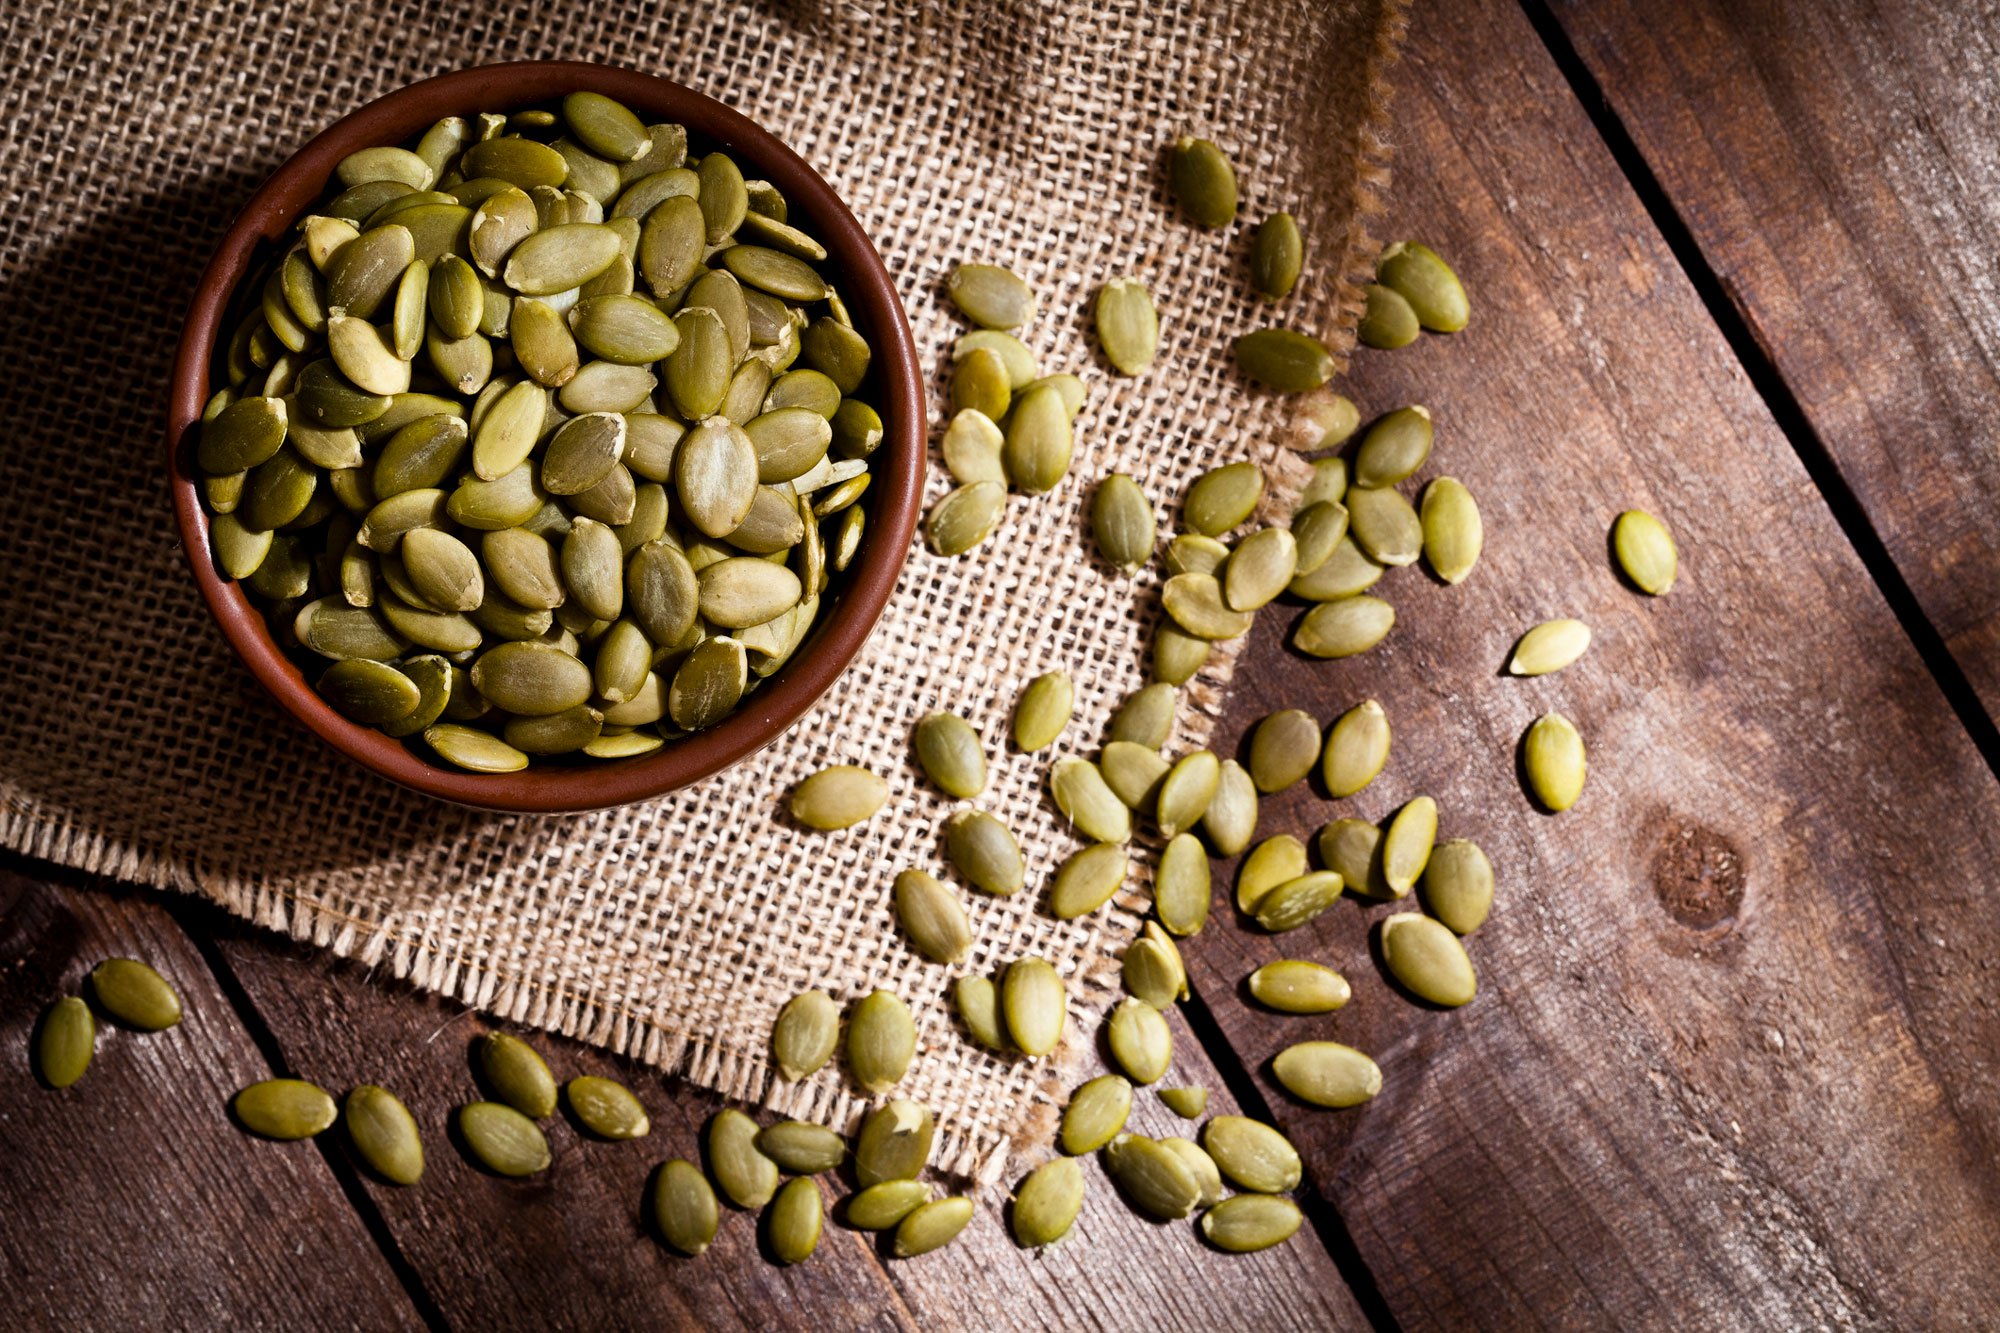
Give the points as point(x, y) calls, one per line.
point(895, 495)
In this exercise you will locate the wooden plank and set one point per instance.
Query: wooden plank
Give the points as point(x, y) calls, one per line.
point(1838, 167)
point(131, 1200)
point(546, 1250)
point(1732, 1062)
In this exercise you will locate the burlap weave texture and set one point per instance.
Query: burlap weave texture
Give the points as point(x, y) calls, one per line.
point(1030, 134)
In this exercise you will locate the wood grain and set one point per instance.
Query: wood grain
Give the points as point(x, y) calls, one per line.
point(1732, 1062)
point(1837, 165)
point(131, 1200)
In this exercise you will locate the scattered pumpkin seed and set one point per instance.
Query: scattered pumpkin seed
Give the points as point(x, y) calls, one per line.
point(882, 1205)
point(1230, 820)
point(1181, 885)
point(1039, 441)
point(931, 915)
point(1271, 862)
point(794, 1220)
point(1177, 655)
point(1646, 552)
point(1186, 791)
point(1033, 1003)
point(1127, 325)
point(881, 1041)
point(1292, 904)
point(1353, 849)
point(1096, 1114)
point(1406, 844)
point(135, 995)
point(1326, 1073)
point(1283, 749)
point(1277, 253)
point(684, 1209)
point(984, 851)
point(1086, 880)
point(1047, 1202)
point(1087, 801)
point(1133, 773)
point(803, 1038)
point(1427, 283)
point(384, 1134)
point(1252, 1155)
point(1262, 566)
point(932, 1226)
point(979, 383)
point(1152, 968)
point(1248, 1223)
point(1152, 1178)
point(1195, 602)
point(1458, 885)
point(1427, 959)
point(607, 1108)
point(64, 1041)
point(1204, 182)
point(1344, 573)
point(802, 1148)
point(516, 1074)
point(1553, 755)
point(978, 1002)
point(1140, 1040)
point(1284, 359)
point(838, 797)
point(284, 1109)
point(1548, 647)
point(894, 1143)
point(972, 447)
point(1454, 534)
point(748, 1178)
point(1043, 711)
point(1387, 322)
point(1294, 986)
point(990, 296)
point(1121, 520)
point(1394, 447)
point(1223, 498)
point(1187, 1103)
point(966, 517)
point(1344, 628)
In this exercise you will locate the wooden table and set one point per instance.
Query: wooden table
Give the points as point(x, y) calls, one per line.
point(1734, 1059)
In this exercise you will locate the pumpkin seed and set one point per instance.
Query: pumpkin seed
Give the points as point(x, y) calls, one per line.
point(1177, 655)
point(365, 356)
point(333, 629)
point(361, 275)
point(1548, 647)
point(1039, 441)
point(277, 492)
point(881, 1041)
point(1140, 1040)
point(135, 995)
point(1152, 968)
point(607, 1108)
point(1020, 362)
point(1271, 863)
point(1357, 746)
point(883, 1205)
point(1133, 773)
point(1186, 791)
point(748, 1178)
point(384, 1134)
point(1251, 1222)
point(1458, 885)
point(557, 733)
point(1552, 753)
point(1387, 322)
point(1087, 802)
point(1453, 531)
point(1204, 182)
point(801, 1148)
point(557, 259)
point(1121, 520)
point(1326, 1073)
point(1283, 749)
point(788, 442)
point(1181, 886)
point(420, 456)
point(1276, 255)
point(1196, 604)
point(284, 1108)
point(1200, 1165)
point(1327, 425)
point(1096, 1114)
point(64, 1041)
point(522, 163)
point(238, 551)
point(515, 1073)
point(1192, 553)
point(698, 370)
point(838, 797)
point(1146, 717)
point(803, 1038)
point(368, 692)
point(1261, 567)
point(432, 676)
point(605, 127)
point(1294, 986)
point(473, 750)
point(627, 330)
point(978, 1003)
point(724, 198)
point(742, 591)
point(1033, 1003)
point(1406, 844)
point(708, 684)
point(715, 476)
point(990, 296)
point(1152, 1178)
point(671, 239)
point(1353, 849)
point(1043, 711)
point(443, 570)
point(1047, 1202)
point(931, 915)
point(1292, 904)
point(625, 746)
point(1646, 552)
point(894, 1143)
point(1345, 572)
point(840, 353)
point(1223, 498)
point(663, 592)
point(794, 1219)
point(1344, 628)
point(1252, 1155)
point(1426, 282)
point(533, 679)
point(1384, 525)
point(778, 234)
point(984, 851)
point(1427, 959)
point(932, 1226)
point(1284, 359)
point(965, 517)
point(1086, 880)
point(1230, 819)
point(1127, 325)
point(684, 1210)
point(456, 297)
point(1187, 1103)
point(243, 435)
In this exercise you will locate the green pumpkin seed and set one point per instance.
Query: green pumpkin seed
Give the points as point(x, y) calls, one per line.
point(965, 517)
point(406, 323)
point(1357, 746)
point(1043, 711)
point(457, 299)
point(1292, 904)
point(533, 679)
point(1394, 447)
point(948, 749)
point(837, 351)
point(1384, 525)
point(503, 1140)
point(1427, 959)
point(1406, 844)
point(420, 456)
point(851, 525)
point(671, 240)
point(1154, 1179)
point(1152, 968)
point(593, 567)
point(542, 343)
point(515, 1073)
point(607, 1108)
point(508, 433)
point(1387, 322)
point(1284, 359)
point(557, 733)
point(325, 399)
point(1548, 647)
point(1204, 182)
point(856, 429)
point(1250, 1222)
point(285, 1109)
point(838, 797)
point(1096, 1114)
point(443, 570)
point(1252, 1155)
point(883, 1205)
point(984, 851)
point(1261, 567)
point(788, 442)
point(990, 296)
point(1344, 628)
point(325, 235)
point(1195, 602)
point(803, 1038)
point(384, 1134)
point(715, 476)
point(894, 1143)
point(931, 915)
point(224, 493)
point(1325, 1073)
point(1283, 749)
point(747, 1177)
point(1343, 574)
point(684, 1209)
point(362, 275)
point(277, 492)
point(1293, 986)
point(724, 197)
point(1458, 885)
point(793, 1224)
point(1186, 791)
point(601, 386)
point(1039, 441)
point(1277, 253)
point(1230, 819)
point(742, 591)
point(64, 1041)
point(1433, 291)
point(1088, 802)
point(473, 750)
point(1352, 848)
point(699, 369)
point(1128, 327)
point(663, 592)
point(650, 443)
point(243, 435)
point(1033, 1003)
point(1181, 886)
point(623, 329)
point(238, 551)
point(1187, 1103)
point(1121, 520)
point(333, 629)
point(1133, 773)
point(605, 127)
point(1271, 863)
point(708, 684)
point(1177, 655)
point(1021, 367)
point(881, 1041)
point(778, 234)
point(1086, 880)
point(1146, 717)
point(1140, 1040)
point(1553, 755)
point(1223, 498)
point(368, 692)
point(1327, 425)
point(1453, 531)
point(1646, 552)
point(774, 271)
point(978, 1002)
point(1200, 1165)
point(522, 163)
point(802, 1148)
point(1047, 1202)
point(135, 995)
point(932, 1226)
point(809, 389)
point(365, 356)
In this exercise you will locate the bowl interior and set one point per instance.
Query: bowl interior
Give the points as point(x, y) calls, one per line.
point(896, 388)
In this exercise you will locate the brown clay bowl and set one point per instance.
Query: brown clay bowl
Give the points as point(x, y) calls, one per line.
point(893, 500)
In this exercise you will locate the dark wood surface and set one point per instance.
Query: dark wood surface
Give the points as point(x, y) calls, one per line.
point(1732, 1060)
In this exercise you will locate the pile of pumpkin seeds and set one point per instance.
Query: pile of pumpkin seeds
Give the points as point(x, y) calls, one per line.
point(542, 437)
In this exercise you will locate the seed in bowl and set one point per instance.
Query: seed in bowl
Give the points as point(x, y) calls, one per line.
point(541, 437)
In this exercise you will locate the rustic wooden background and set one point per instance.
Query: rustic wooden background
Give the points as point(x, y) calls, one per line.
point(1734, 1059)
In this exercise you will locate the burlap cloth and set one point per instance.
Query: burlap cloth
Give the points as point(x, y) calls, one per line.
point(1031, 134)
